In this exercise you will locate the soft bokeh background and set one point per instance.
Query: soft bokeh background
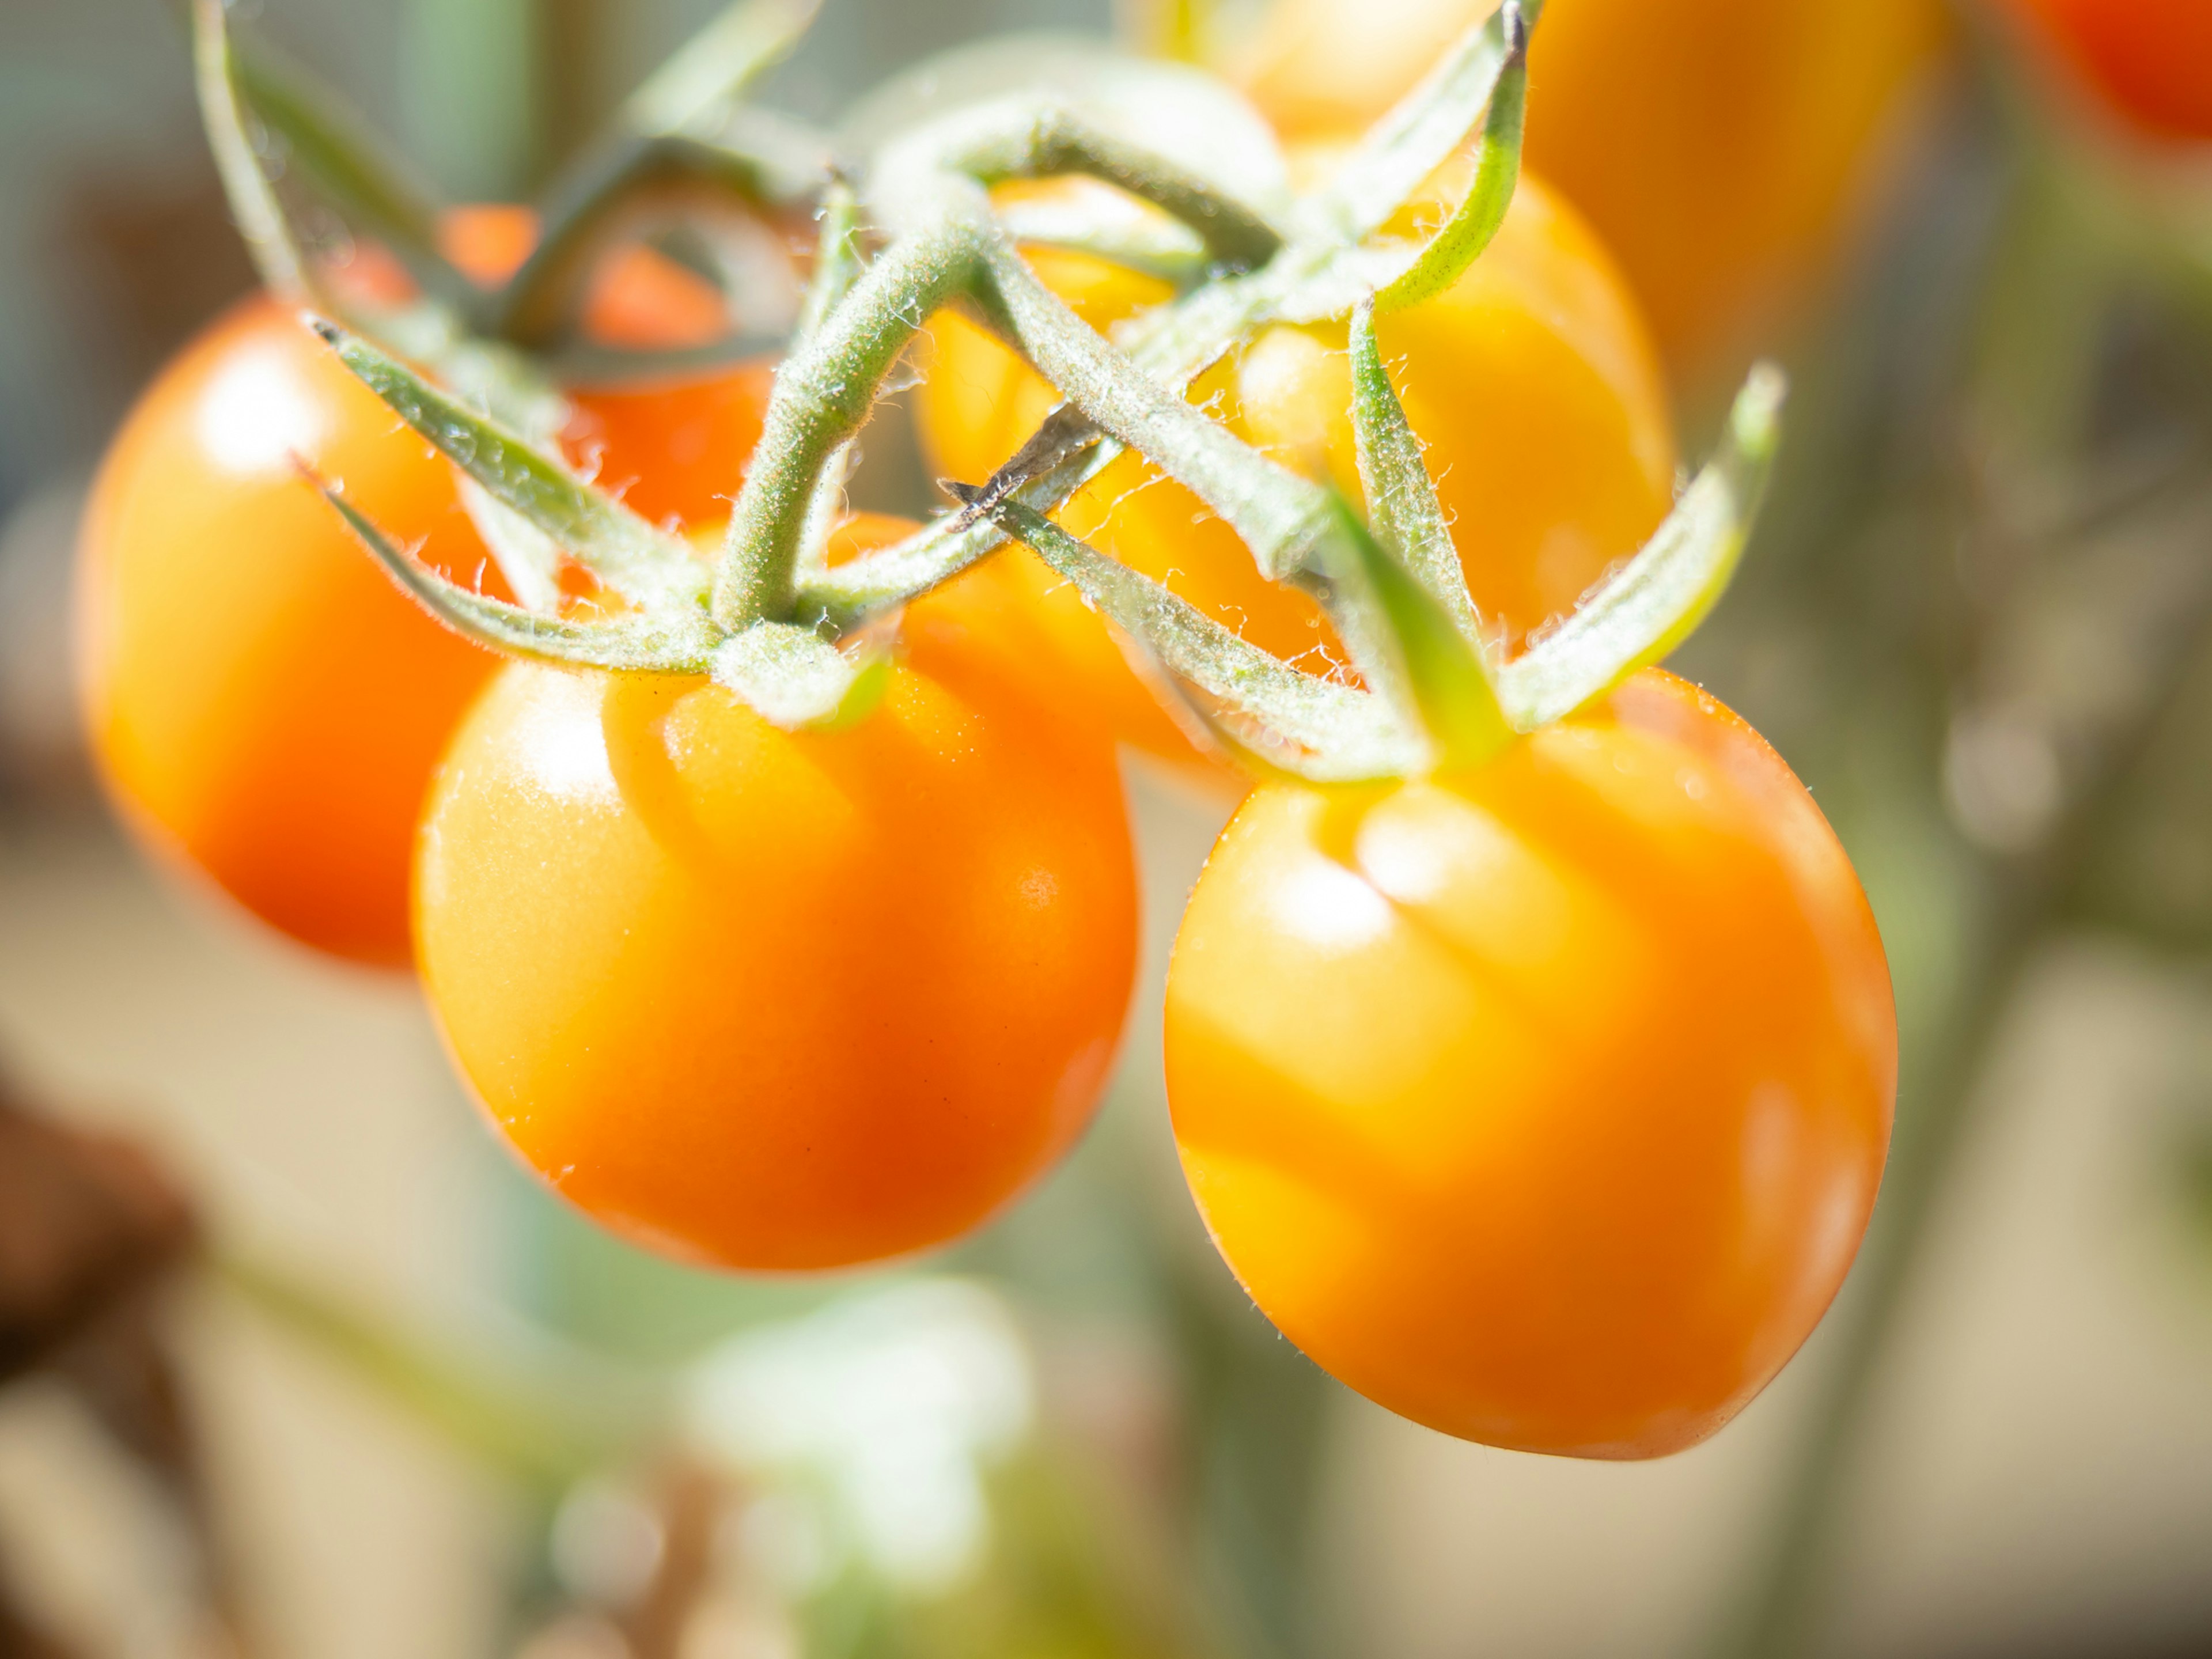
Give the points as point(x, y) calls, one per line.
point(1978, 602)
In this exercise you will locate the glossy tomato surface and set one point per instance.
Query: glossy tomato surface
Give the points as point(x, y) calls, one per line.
point(2152, 59)
point(1544, 1104)
point(1530, 382)
point(766, 999)
point(1719, 146)
point(265, 704)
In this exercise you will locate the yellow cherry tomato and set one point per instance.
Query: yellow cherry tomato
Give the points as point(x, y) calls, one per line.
point(783, 1000)
point(1529, 381)
point(1717, 145)
point(1543, 1103)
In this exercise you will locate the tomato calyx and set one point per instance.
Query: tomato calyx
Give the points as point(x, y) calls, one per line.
point(796, 638)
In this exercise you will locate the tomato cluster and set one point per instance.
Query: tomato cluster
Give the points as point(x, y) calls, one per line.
point(1717, 145)
point(1539, 1090)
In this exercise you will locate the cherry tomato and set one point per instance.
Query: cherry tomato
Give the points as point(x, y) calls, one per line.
point(766, 999)
point(265, 706)
point(673, 445)
point(2151, 58)
point(1529, 381)
point(1717, 145)
point(1543, 1103)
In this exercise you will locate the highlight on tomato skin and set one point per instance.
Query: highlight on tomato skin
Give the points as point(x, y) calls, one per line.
point(1532, 382)
point(1545, 1103)
point(264, 705)
point(776, 1001)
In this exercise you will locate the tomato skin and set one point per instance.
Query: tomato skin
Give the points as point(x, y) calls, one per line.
point(1530, 381)
point(1717, 145)
point(2152, 59)
point(1543, 1105)
point(263, 704)
point(774, 1000)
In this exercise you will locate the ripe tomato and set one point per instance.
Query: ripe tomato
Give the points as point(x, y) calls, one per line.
point(1544, 1103)
point(1717, 145)
point(673, 445)
point(1530, 381)
point(265, 707)
point(2151, 58)
point(780, 1000)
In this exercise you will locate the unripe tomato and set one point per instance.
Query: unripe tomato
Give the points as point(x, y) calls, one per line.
point(1530, 382)
point(1717, 145)
point(2151, 58)
point(265, 707)
point(1543, 1103)
point(779, 1000)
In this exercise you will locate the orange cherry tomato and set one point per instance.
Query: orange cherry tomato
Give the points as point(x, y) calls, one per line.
point(265, 706)
point(2152, 59)
point(770, 999)
point(1543, 1103)
point(1530, 381)
point(1717, 145)
point(674, 445)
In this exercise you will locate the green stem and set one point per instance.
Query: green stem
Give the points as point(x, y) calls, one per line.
point(620, 189)
point(824, 394)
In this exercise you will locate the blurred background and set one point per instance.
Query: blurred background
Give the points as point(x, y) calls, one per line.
point(294, 1364)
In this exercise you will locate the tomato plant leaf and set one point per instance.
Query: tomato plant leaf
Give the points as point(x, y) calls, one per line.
point(1655, 600)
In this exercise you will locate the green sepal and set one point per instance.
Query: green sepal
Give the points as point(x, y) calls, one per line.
point(373, 188)
point(1461, 241)
point(262, 222)
point(642, 643)
point(793, 678)
point(1655, 601)
point(644, 564)
point(1430, 122)
point(1441, 671)
point(716, 65)
point(1311, 728)
point(528, 557)
point(1401, 499)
